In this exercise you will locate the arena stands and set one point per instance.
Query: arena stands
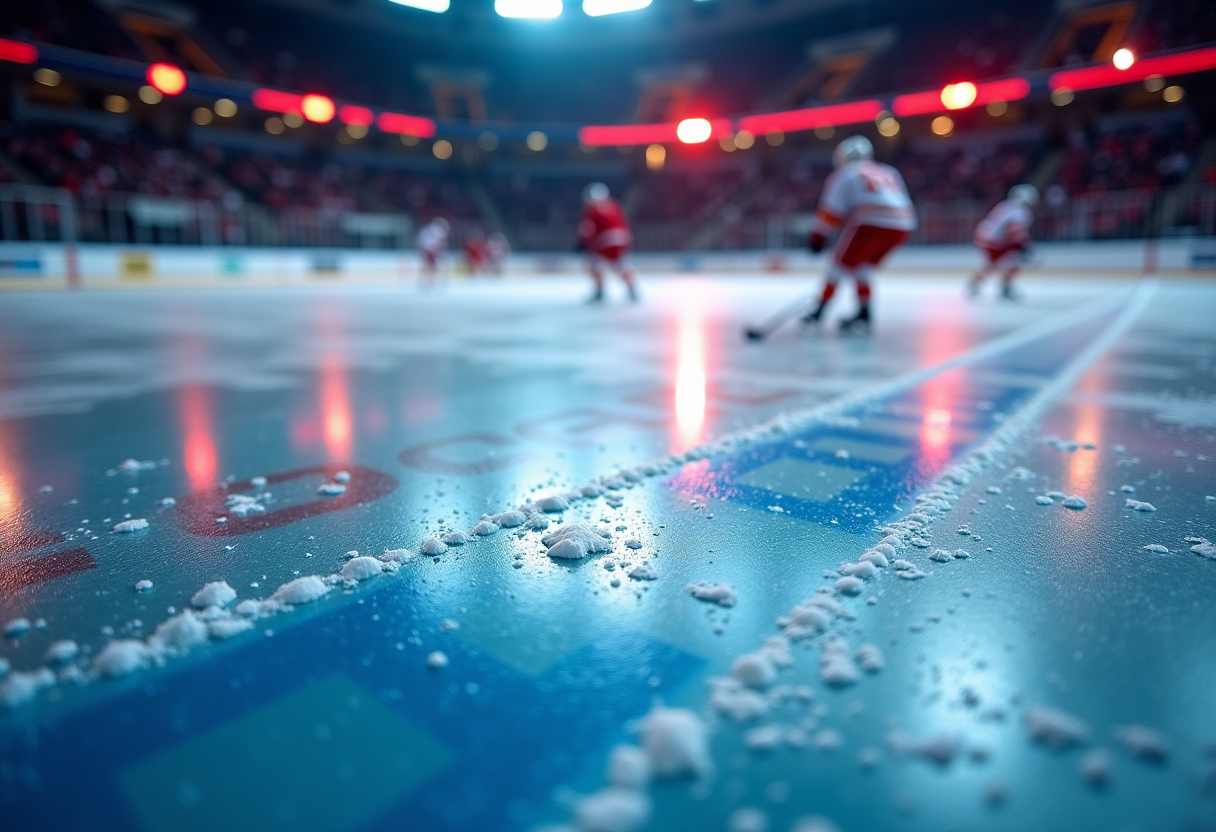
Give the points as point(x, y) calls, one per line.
point(1137, 153)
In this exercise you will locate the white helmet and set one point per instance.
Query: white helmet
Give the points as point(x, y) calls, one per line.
point(852, 149)
point(595, 192)
point(1028, 195)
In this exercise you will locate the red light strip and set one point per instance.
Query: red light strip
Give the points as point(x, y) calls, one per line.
point(406, 125)
point(351, 114)
point(1105, 75)
point(930, 101)
point(277, 101)
point(620, 135)
point(18, 52)
point(833, 115)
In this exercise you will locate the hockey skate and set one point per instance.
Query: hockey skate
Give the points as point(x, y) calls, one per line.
point(1007, 293)
point(859, 322)
point(810, 321)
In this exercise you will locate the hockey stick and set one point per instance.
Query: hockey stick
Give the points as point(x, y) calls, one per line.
point(785, 313)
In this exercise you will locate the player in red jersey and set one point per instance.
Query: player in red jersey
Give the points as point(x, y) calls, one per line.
point(1003, 236)
point(867, 205)
point(605, 236)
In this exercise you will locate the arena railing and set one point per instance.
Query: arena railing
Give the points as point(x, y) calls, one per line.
point(30, 213)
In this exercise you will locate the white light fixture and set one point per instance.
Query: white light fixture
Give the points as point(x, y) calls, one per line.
point(598, 8)
point(437, 6)
point(535, 9)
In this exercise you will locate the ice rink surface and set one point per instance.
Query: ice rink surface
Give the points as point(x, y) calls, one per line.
point(479, 397)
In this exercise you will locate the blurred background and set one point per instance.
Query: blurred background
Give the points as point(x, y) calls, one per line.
point(349, 123)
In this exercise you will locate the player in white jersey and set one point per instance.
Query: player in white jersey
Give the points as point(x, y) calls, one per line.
point(868, 204)
point(432, 241)
point(1003, 236)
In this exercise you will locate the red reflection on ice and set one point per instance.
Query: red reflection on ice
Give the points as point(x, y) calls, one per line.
point(1087, 430)
point(935, 428)
point(691, 361)
point(198, 436)
point(10, 492)
point(335, 409)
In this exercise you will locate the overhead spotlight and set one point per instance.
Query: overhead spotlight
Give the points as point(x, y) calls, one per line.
point(437, 6)
point(656, 155)
point(225, 108)
point(826, 132)
point(318, 108)
point(997, 108)
point(150, 95)
point(1154, 83)
point(1173, 94)
point(694, 130)
point(775, 139)
point(1062, 97)
point(487, 141)
point(293, 120)
point(166, 79)
point(47, 77)
point(534, 9)
point(442, 149)
point(727, 143)
point(275, 126)
point(1123, 58)
point(116, 104)
point(942, 125)
point(744, 140)
point(958, 96)
point(599, 8)
point(201, 116)
point(537, 141)
point(888, 126)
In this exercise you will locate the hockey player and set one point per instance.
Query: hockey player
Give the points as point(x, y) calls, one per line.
point(497, 249)
point(432, 241)
point(1003, 236)
point(605, 237)
point(867, 204)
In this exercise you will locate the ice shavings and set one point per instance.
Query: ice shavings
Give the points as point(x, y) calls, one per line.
point(62, 652)
point(612, 809)
point(19, 687)
point(676, 742)
point(1054, 728)
point(721, 594)
point(870, 658)
point(331, 489)
point(362, 568)
point(1137, 505)
point(1147, 744)
point(436, 660)
point(129, 526)
point(1074, 502)
point(1203, 547)
point(243, 505)
point(214, 594)
point(122, 656)
point(485, 527)
point(836, 667)
point(143, 585)
point(16, 627)
point(457, 538)
point(432, 546)
point(577, 540)
point(131, 466)
point(643, 572)
point(1095, 768)
point(1156, 548)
